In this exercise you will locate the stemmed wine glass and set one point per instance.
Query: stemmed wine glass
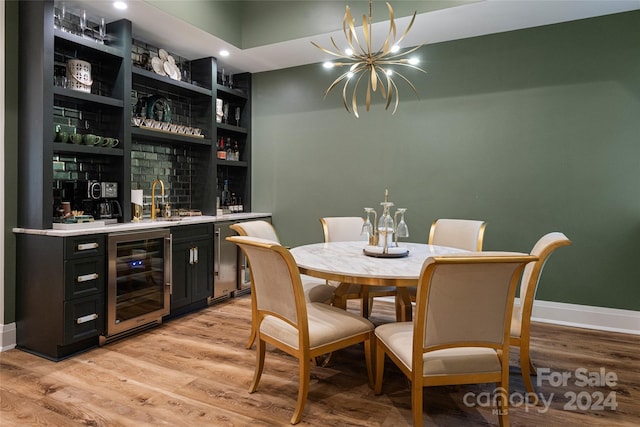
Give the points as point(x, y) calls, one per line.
point(402, 230)
point(367, 227)
point(237, 116)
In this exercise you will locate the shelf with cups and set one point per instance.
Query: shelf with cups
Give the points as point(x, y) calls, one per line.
point(68, 147)
point(233, 163)
point(151, 135)
point(225, 92)
point(149, 78)
point(232, 128)
point(87, 97)
point(83, 45)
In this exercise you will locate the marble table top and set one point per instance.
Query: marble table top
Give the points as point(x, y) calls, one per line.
point(346, 262)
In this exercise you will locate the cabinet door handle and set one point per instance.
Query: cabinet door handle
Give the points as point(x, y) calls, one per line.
point(87, 318)
point(195, 255)
point(87, 246)
point(87, 277)
point(191, 256)
point(217, 249)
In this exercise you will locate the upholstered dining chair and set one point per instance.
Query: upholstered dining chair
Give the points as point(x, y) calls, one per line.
point(286, 321)
point(315, 290)
point(345, 229)
point(521, 320)
point(460, 333)
point(457, 233)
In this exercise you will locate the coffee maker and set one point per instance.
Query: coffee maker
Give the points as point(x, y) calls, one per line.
point(103, 201)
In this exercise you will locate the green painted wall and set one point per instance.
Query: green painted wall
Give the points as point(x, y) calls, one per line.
point(221, 18)
point(534, 131)
point(265, 22)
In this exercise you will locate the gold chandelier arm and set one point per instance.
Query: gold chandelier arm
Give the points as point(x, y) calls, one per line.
point(336, 82)
point(339, 55)
point(354, 104)
point(392, 31)
point(409, 83)
point(406, 31)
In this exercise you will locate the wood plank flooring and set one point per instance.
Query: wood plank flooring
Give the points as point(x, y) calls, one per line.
point(195, 371)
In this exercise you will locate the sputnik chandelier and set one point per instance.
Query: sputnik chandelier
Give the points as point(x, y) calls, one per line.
point(375, 65)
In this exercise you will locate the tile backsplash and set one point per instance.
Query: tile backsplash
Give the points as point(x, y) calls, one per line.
point(182, 169)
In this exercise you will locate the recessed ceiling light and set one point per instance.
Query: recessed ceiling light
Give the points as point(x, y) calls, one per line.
point(224, 52)
point(120, 5)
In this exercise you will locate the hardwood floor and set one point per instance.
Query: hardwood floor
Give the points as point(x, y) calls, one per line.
point(195, 371)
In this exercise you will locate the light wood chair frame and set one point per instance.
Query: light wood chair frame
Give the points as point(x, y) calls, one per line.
point(346, 291)
point(240, 228)
point(531, 278)
point(480, 235)
point(303, 352)
point(415, 374)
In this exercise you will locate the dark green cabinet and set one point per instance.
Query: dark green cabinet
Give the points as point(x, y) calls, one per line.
point(61, 308)
point(192, 267)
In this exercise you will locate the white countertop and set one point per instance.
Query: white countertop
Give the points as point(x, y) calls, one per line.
point(145, 224)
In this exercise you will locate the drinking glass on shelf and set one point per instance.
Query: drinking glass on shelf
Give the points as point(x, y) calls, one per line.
point(102, 29)
point(237, 116)
point(223, 77)
point(225, 113)
point(83, 21)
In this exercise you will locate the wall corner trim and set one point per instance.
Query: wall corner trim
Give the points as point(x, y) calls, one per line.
point(7, 336)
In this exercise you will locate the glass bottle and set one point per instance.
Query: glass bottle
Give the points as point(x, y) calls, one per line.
point(236, 151)
point(228, 149)
point(221, 153)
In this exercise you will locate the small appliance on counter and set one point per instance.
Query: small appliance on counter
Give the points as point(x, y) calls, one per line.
point(102, 201)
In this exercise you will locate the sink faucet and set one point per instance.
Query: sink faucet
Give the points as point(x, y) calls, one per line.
point(153, 197)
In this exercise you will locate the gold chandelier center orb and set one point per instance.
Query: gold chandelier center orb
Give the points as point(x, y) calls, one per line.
point(373, 66)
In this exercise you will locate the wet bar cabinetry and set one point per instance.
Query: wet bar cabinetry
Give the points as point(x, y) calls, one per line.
point(53, 171)
point(61, 297)
point(192, 268)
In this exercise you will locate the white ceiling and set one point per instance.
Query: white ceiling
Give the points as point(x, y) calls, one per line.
point(469, 20)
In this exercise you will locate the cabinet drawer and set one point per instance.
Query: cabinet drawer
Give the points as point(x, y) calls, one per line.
point(191, 232)
point(84, 246)
point(83, 318)
point(82, 277)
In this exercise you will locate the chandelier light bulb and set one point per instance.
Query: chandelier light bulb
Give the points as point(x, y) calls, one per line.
point(328, 64)
point(414, 61)
point(366, 63)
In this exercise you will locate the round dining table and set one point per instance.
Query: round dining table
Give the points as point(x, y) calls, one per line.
point(346, 262)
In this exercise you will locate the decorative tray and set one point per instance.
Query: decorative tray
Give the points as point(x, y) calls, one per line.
point(392, 252)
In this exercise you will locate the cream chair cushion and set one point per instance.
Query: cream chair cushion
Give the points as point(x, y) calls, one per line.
point(465, 360)
point(327, 325)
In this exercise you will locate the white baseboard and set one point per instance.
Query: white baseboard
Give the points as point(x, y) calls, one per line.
point(7, 336)
point(581, 316)
point(588, 317)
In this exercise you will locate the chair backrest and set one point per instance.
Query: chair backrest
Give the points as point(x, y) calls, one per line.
point(342, 228)
point(260, 228)
point(465, 234)
point(465, 300)
point(276, 281)
point(532, 272)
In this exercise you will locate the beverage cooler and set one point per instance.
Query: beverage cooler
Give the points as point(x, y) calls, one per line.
point(225, 264)
point(139, 281)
